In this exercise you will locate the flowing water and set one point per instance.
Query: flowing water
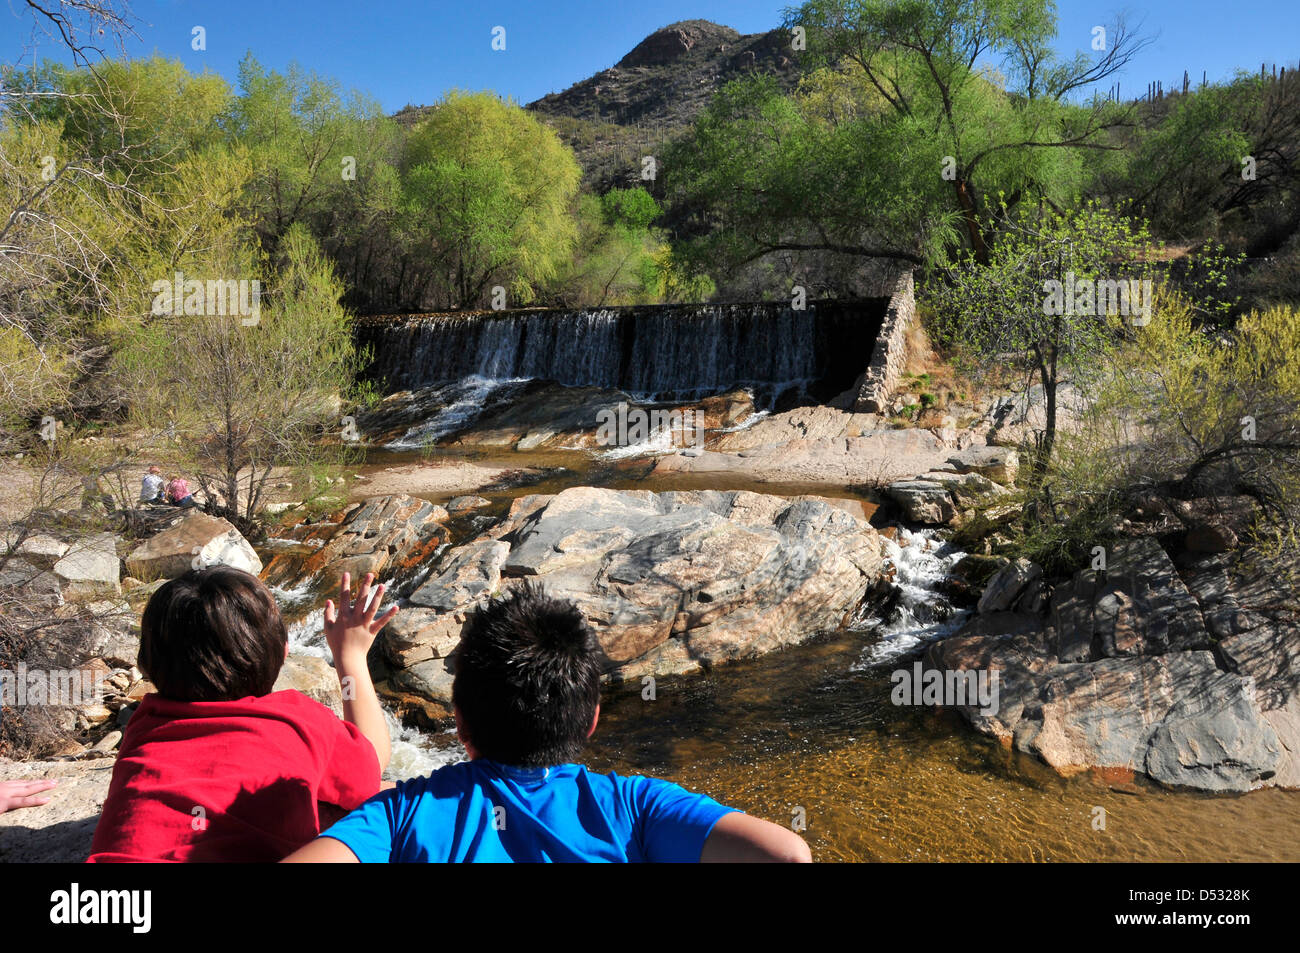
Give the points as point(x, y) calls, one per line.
point(668, 352)
point(810, 733)
point(809, 736)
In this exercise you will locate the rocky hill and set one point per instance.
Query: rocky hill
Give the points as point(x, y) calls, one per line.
point(644, 101)
point(671, 74)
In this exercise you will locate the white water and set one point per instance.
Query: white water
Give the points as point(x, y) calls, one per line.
point(458, 404)
point(657, 444)
point(920, 613)
point(676, 352)
point(414, 753)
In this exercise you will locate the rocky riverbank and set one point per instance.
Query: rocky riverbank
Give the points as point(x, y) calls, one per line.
point(671, 582)
point(1178, 662)
point(1171, 662)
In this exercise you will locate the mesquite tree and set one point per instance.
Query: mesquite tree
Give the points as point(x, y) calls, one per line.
point(1057, 291)
point(243, 395)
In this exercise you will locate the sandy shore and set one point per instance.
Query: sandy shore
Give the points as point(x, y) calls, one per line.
point(428, 479)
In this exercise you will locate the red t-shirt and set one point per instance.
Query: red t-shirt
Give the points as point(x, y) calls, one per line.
point(257, 767)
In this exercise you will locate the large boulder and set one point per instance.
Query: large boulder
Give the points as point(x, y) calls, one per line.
point(967, 488)
point(470, 571)
point(1124, 672)
point(1216, 739)
point(1008, 585)
point(1017, 419)
point(465, 504)
point(724, 575)
point(1138, 605)
point(40, 587)
point(314, 677)
point(417, 635)
point(90, 568)
point(923, 501)
point(42, 551)
point(385, 535)
point(198, 541)
point(999, 464)
point(816, 445)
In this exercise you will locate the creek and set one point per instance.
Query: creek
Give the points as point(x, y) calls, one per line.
point(809, 735)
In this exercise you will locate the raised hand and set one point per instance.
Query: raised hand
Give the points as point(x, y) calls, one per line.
point(351, 626)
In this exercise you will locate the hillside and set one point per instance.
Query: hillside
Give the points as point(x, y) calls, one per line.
point(634, 107)
point(671, 74)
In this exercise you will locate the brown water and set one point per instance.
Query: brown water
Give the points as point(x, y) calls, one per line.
point(882, 783)
point(877, 782)
point(558, 470)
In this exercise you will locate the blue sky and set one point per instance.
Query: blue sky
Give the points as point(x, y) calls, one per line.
point(408, 51)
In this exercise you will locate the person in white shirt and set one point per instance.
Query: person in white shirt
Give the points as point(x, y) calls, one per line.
point(151, 487)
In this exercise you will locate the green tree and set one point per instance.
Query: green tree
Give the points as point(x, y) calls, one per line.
point(240, 395)
point(1218, 160)
point(1211, 414)
point(914, 114)
point(1013, 131)
point(1057, 292)
point(763, 172)
point(1179, 415)
point(309, 143)
point(115, 175)
point(613, 258)
point(633, 209)
point(487, 199)
point(138, 111)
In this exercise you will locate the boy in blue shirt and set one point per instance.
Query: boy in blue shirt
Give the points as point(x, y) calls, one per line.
point(527, 697)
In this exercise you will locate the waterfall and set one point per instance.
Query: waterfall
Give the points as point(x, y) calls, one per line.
point(670, 352)
point(920, 612)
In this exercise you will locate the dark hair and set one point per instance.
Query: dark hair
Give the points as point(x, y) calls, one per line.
point(212, 635)
point(527, 679)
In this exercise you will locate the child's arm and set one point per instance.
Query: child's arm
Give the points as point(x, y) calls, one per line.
point(741, 838)
point(323, 850)
point(350, 629)
point(16, 794)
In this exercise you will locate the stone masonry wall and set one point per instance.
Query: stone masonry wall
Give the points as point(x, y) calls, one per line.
point(890, 355)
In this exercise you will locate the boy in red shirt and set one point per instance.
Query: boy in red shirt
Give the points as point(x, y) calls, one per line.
point(215, 766)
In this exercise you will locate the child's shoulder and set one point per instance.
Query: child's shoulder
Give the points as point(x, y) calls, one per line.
point(288, 705)
point(295, 706)
point(293, 699)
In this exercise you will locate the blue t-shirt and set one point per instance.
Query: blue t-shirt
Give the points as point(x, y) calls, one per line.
point(483, 811)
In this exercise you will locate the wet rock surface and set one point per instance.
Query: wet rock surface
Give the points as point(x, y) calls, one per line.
point(1188, 672)
point(385, 535)
point(671, 582)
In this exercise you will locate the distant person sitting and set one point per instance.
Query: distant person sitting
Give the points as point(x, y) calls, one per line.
point(151, 486)
point(178, 492)
point(526, 696)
